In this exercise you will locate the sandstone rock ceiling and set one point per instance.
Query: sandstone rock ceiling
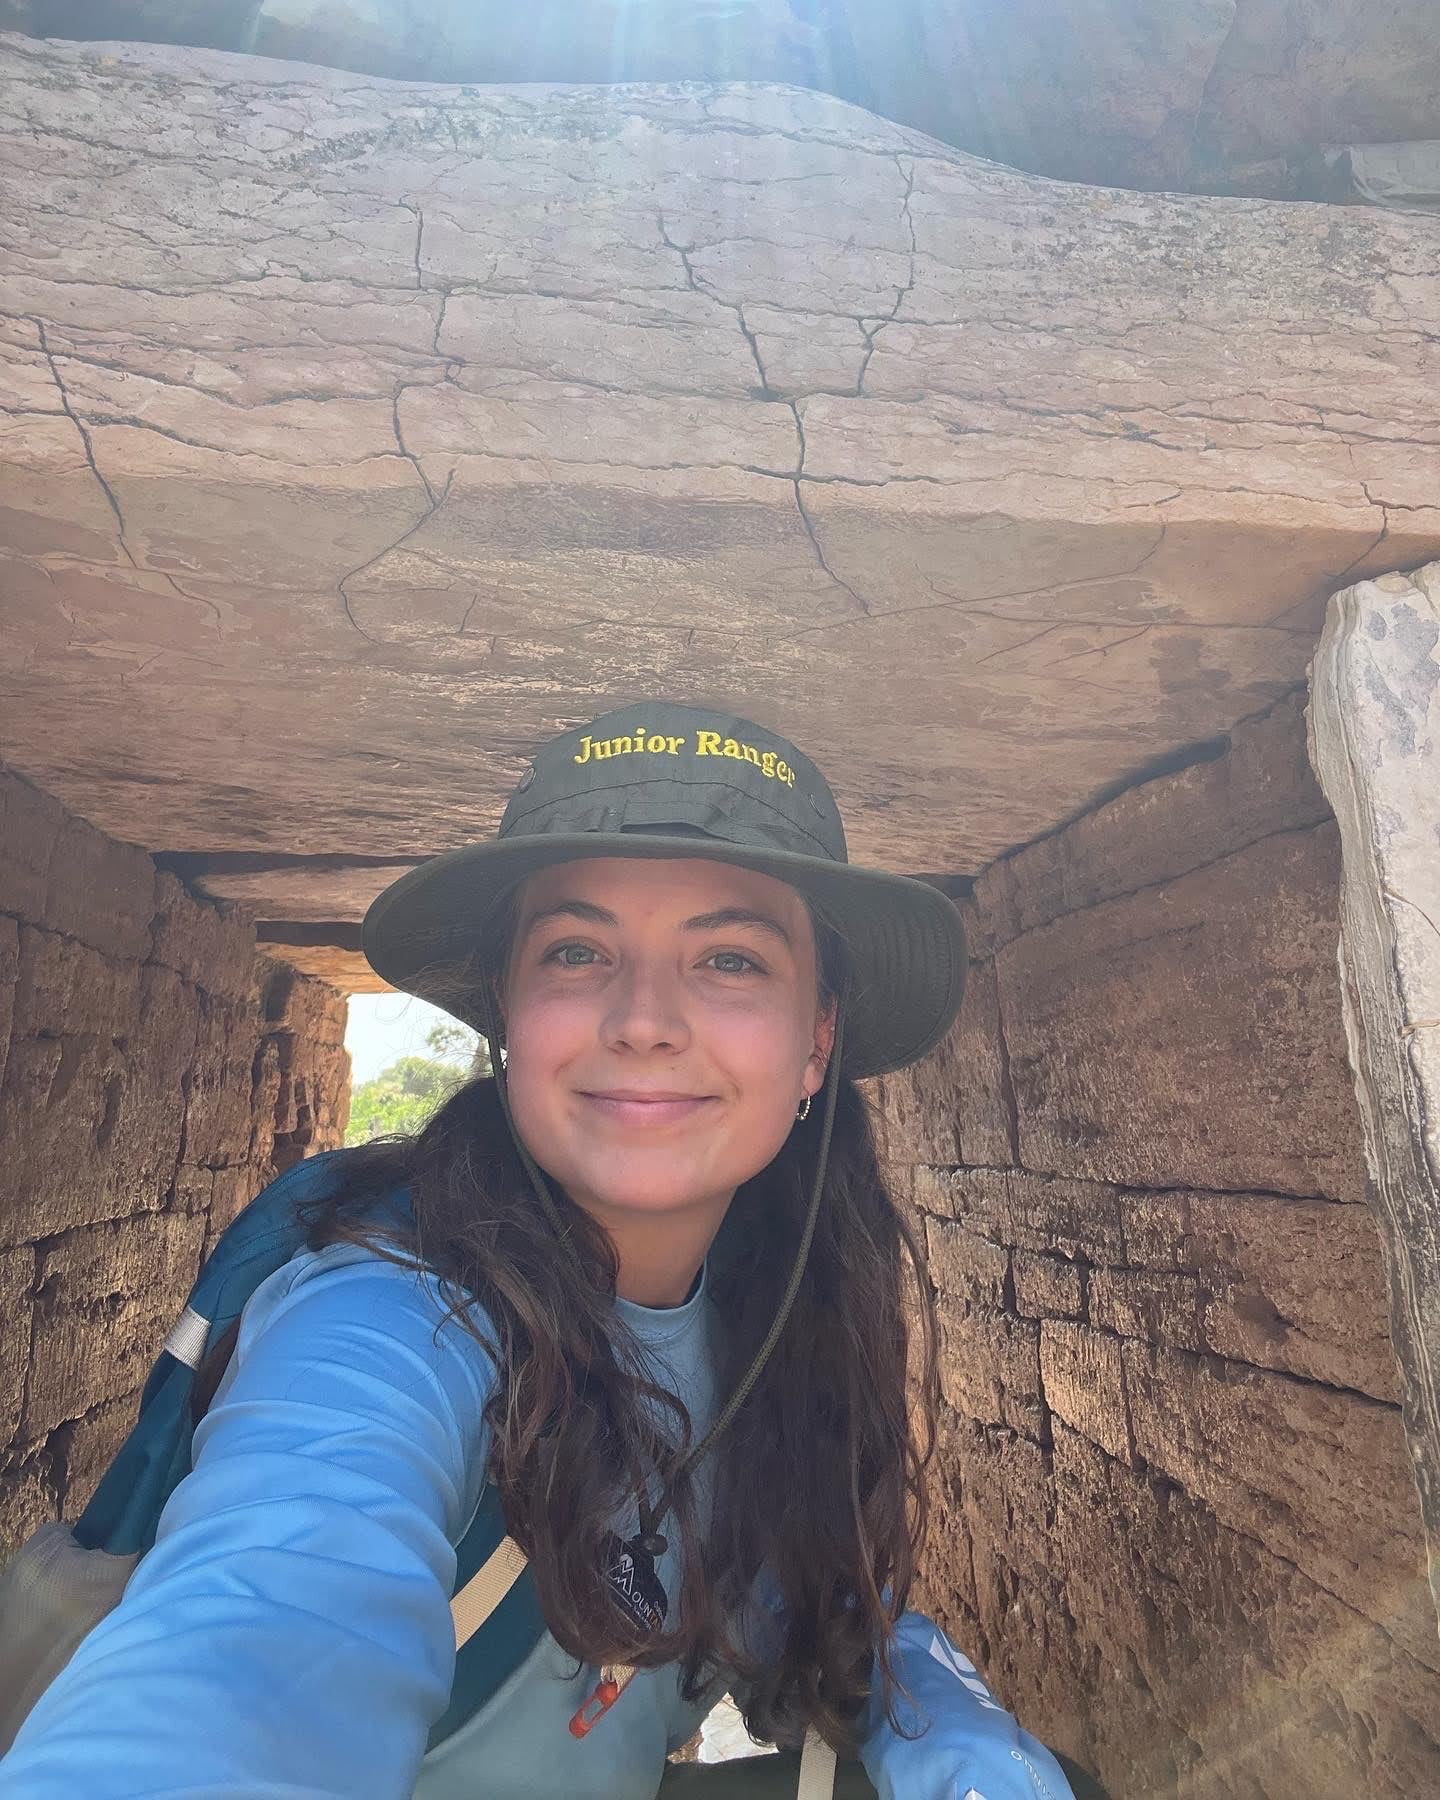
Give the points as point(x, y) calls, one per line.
point(1217, 96)
point(357, 435)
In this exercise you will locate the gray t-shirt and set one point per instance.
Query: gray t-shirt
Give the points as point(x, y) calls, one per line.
point(519, 1745)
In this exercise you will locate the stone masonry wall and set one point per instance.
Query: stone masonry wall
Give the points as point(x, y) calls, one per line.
point(1178, 1527)
point(154, 1072)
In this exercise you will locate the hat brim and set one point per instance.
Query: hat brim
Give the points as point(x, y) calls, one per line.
point(904, 939)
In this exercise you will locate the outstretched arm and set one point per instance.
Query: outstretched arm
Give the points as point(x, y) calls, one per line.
point(971, 1748)
point(289, 1634)
point(958, 1743)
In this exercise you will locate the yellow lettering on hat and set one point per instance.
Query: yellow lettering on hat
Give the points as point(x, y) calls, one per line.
point(592, 749)
point(707, 743)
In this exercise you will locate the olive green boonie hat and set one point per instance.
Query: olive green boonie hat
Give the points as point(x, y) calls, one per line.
point(665, 781)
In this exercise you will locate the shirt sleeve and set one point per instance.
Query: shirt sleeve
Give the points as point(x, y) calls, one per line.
point(965, 1745)
point(289, 1634)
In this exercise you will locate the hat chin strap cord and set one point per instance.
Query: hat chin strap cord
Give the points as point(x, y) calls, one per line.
point(648, 1537)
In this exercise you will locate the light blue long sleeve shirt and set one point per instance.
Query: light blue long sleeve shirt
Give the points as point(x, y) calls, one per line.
point(289, 1635)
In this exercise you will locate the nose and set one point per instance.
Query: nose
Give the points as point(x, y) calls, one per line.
point(646, 1011)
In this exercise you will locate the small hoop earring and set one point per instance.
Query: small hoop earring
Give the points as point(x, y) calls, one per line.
point(804, 1112)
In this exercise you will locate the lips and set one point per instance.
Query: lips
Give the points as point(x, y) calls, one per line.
point(629, 1106)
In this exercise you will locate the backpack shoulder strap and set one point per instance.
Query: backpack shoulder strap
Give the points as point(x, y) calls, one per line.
point(126, 1507)
point(496, 1613)
point(472, 1604)
point(817, 1769)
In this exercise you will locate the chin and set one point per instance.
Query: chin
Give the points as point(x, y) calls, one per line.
point(647, 1198)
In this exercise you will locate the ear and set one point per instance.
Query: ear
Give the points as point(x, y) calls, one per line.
point(819, 1059)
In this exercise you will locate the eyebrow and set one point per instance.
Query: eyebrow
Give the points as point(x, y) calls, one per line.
point(583, 910)
point(737, 915)
point(590, 914)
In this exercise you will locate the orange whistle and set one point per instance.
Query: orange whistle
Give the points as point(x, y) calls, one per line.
point(595, 1708)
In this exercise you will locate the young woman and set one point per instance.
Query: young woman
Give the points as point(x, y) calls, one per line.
point(645, 1285)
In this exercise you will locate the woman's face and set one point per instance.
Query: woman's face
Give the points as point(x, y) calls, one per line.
point(662, 1025)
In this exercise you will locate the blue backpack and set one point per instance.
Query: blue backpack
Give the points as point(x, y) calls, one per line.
point(66, 1578)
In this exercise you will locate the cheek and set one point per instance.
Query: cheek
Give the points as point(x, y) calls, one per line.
point(542, 1036)
point(767, 1066)
point(539, 1042)
point(766, 1051)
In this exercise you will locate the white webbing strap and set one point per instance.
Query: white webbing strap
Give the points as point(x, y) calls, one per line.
point(486, 1588)
point(817, 1769)
point(493, 1580)
point(186, 1342)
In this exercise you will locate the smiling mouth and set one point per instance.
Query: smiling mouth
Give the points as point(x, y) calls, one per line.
point(645, 1109)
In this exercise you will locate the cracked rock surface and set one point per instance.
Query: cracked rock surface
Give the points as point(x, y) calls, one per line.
point(357, 435)
point(1208, 96)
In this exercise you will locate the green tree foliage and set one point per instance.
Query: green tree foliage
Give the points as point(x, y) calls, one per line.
point(403, 1096)
point(451, 1042)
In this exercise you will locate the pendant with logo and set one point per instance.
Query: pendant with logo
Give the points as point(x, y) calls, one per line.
point(634, 1581)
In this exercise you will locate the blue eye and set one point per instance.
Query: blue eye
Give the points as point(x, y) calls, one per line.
point(731, 962)
point(571, 956)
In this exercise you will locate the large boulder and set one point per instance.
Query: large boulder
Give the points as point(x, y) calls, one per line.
point(360, 434)
point(1211, 95)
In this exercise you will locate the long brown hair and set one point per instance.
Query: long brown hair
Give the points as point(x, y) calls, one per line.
point(819, 1481)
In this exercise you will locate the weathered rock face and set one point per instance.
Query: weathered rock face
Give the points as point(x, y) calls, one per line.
point(1139, 93)
point(1178, 1521)
point(361, 434)
point(320, 898)
point(154, 1072)
point(1375, 739)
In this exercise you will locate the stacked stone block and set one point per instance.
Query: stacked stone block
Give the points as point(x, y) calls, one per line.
point(154, 1072)
point(1177, 1521)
